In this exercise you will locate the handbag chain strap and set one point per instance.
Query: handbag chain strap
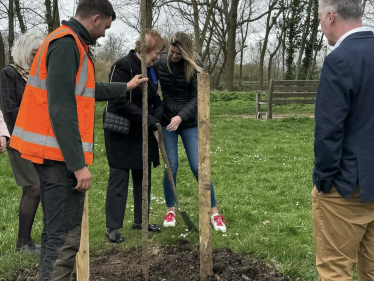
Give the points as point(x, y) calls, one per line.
point(110, 80)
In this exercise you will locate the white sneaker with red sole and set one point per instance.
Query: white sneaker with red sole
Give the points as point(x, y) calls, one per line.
point(170, 219)
point(218, 222)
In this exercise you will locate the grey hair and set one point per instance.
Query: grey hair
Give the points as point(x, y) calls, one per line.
point(347, 9)
point(23, 47)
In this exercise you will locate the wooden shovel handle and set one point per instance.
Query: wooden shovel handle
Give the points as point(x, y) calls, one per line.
point(158, 135)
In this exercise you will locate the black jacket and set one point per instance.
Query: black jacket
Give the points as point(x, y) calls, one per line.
point(124, 151)
point(178, 96)
point(12, 86)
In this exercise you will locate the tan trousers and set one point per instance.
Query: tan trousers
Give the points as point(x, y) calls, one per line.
point(343, 235)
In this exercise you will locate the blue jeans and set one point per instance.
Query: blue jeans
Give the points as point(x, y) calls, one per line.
point(189, 139)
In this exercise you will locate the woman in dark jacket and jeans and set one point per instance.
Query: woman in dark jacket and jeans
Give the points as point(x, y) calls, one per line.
point(177, 75)
point(124, 151)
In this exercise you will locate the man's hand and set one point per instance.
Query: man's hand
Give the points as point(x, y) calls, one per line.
point(135, 82)
point(2, 144)
point(83, 176)
point(174, 123)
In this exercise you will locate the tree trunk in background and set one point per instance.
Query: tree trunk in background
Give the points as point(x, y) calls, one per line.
point(305, 34)
point(22, 25)
point(48, 15)
point(201, 34)
point(231, 38)
point(270, 22)
point(56, 15)
point(52, 16)
point(313, 64)
point(2, 52)
point(11, 30)
point(149, 17)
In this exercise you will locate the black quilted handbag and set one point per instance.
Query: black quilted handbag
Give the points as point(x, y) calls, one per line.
point(115, 122)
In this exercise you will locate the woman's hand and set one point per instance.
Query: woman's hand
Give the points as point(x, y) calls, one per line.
point(2, 144)
point(174, 123)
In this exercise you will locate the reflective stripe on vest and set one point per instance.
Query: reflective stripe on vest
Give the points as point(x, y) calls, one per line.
point(44, 140)
point(33, 135)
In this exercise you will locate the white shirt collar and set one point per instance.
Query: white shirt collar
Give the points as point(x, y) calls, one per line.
point(345, 35)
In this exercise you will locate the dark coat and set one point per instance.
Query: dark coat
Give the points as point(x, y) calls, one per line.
point(124, 151)
point(344, 132)
point(12, 86)
point(178, 96)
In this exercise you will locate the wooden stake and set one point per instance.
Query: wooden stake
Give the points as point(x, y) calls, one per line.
point(145, 268)
point(83, 256)
point(203, 101)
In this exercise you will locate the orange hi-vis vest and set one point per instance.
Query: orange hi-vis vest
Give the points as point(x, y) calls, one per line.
point(33, 134)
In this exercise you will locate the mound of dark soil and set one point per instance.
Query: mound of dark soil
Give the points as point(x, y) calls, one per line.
point(178, 262)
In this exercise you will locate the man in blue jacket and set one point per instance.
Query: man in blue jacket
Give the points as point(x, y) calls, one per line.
point(343, 176)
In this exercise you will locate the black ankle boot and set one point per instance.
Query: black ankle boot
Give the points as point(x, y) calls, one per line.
point(151, 227)
point(114, 236)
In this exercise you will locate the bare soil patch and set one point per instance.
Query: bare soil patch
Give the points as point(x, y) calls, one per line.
point(178, 262)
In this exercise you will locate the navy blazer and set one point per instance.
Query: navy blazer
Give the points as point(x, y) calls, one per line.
point(344, 116)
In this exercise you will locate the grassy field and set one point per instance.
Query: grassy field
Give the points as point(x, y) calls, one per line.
point(262, 176)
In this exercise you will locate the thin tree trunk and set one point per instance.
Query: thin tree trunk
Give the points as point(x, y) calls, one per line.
point(145, 261)
point(313, 65)
point(200, 34)
point(56, 15)
point(11, 30)
point(48, 15)
point(303, 40)
point(2, 52)
point(231, 38)
point(149, 14)
point(22, 25)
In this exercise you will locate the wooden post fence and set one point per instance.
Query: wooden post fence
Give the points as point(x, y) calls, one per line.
point(83, 256)
point(206, 262)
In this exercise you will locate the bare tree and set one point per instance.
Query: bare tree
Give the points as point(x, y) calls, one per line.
point(2, 52)
point(271, 20)
point(52, 15)
point(20, 17)
point(11, 30)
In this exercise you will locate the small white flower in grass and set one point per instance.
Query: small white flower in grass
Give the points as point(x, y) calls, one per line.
point(266, 222)
point(236, 234)
point(297, 203)
point(224, 235)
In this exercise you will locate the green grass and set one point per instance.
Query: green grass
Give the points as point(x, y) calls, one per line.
point(262, 176)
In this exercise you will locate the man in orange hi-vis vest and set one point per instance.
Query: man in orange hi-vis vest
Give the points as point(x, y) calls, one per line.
point(55, 127)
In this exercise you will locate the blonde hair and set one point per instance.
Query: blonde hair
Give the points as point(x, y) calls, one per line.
point(184, 43)
point(23, 47)
point(153, 41)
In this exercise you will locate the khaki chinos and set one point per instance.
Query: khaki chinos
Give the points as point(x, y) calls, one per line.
point(343, 236)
